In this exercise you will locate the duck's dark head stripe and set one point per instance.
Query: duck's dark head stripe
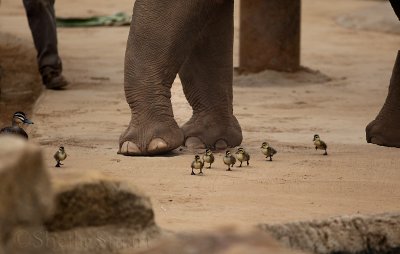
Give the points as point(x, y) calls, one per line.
point(20, 118)
point(20, 115)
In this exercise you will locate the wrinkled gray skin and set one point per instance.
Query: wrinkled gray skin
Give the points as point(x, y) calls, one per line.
point(192, 38)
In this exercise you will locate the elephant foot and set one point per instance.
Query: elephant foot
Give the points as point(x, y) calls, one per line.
point(152, 138)
point(384, 133)
point(212, 131)
point(385, 129)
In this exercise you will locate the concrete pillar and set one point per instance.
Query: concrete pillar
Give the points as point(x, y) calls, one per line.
point(269, 35)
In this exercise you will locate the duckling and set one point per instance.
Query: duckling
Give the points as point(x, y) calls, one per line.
point(18, 121)
point(197, 164)
point(229, 160)
point(208, 157)
point(319, 144)
point(59, 156)
point(268, 150)
point(242, 155)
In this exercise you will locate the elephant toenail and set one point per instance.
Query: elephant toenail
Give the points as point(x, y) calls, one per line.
point(129, 148)
point(194, 143)
point(157, 145)
point(124, 148)
point(221, 145)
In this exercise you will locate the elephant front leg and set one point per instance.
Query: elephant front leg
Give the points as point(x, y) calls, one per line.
point(160, 39)
point(385, 129)
point(207, 82)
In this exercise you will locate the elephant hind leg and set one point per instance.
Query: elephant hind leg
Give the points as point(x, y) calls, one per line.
point(207, 83)
point(385, 129)
point(161, 36)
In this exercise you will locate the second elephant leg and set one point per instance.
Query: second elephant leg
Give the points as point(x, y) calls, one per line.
point(161, 37)
point(207, 82)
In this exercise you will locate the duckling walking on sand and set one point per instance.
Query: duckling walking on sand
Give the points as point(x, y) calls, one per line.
point(229, 160)
point(268, 150)
point(208, 157)
point(319, 144)
point(59, 156)
point(197, 164)
point(18, 121)
point(242, 155)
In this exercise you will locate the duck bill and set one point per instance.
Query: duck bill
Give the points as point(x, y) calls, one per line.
point(27, 121)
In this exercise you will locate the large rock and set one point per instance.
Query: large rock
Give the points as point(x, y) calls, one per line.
point(25, 191)
point(347, 234)
point(224, 241)
point(100, 203)
point(94, 215)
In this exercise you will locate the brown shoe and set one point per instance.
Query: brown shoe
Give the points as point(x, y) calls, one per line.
point(54, 80)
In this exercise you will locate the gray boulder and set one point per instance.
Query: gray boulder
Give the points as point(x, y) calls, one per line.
point(94, 215)
point(100, 203)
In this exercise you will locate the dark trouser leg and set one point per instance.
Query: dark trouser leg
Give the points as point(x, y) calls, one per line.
point(42, 23)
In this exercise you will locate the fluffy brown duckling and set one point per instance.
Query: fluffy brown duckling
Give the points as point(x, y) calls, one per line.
point(197, 164)
point(242, 155)
point(229, 160)
point(319, 144)
point(268, 150)
point(208, 157)
point(60, 155)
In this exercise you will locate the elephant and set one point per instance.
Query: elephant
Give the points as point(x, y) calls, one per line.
point(385, 129)
point(192, 38)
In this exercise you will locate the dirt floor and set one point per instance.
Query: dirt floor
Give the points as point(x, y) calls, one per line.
point(286, 110)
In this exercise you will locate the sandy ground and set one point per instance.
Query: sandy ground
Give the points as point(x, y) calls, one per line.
point(286, 110)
